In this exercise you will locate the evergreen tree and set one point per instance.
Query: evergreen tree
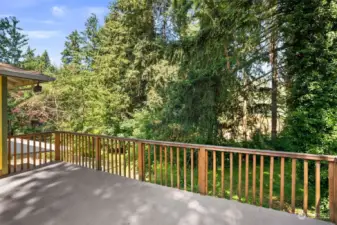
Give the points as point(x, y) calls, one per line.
point(90, 39)
point(12, 41)
point(29, 61)
point(44, 61)
point(309, 33)
point(72, 54)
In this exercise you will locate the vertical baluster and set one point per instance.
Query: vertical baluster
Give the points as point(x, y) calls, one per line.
point(214, 173)
point(77, 150)
point(108, 154)
point(9, 155)
point(293, 185)
point(155, 163)
point(239, 182)
point(34, 150)
point(93, 152)
point(261, 179)
point(112, 155)
point(305, 197)
point(113, 162)
point(86, 151)
point(165, 153)
point(271, 180)
point(116, 154)
point(254, 179)
point(149, 161)
point(82, 150)
point(161, 163)
point(103, 154)
point(119, 158)
point(50, 148)
point(45, 149)
point(178, 168)
point(124, 157)
point(63, 143)
point(28, 152)
point(318, 188)
point(185, 180)
point(247, 177)
point(21, 154)
point(15, 154)
point(332, 194)
point(40, 150)
point(66, 147)
point(171, 159)
point(282, 184)
point(230, 175)
point(72, 149)
point(206, 175)
point(129, 159)
point(134, 161)
point(222, 174)
point(192, 169)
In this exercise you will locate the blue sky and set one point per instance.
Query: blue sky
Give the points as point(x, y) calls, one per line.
point(48, 22)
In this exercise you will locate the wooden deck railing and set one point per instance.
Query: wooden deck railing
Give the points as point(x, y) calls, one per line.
point(293, 182)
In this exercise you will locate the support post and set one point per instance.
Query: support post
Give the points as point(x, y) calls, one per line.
point(98, 152)
point(141, 165)
point(3, 126)
point(333, 191)
point(57, 147)
point(202, 170)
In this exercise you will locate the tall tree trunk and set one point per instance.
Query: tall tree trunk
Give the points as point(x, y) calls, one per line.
point(244, 107)
point(273, 62)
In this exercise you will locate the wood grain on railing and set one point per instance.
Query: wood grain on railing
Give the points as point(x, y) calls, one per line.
point(282, 184)
point(305, 197)
point(271, 181)
point(293, 185)
point(185, 170)
point(240, 179)
point(222, 174)
point(214, 173)
point(247, 177)
point(254, 179)
point(261, 179)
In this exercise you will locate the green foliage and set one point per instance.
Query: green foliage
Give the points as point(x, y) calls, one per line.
point(12, 41)
point(309, 33)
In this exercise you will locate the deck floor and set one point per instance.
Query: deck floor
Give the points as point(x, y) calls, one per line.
point(66, 194)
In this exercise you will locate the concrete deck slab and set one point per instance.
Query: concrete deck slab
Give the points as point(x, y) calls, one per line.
point(62, 194)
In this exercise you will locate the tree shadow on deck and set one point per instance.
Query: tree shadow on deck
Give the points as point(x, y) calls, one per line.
point(66, 194)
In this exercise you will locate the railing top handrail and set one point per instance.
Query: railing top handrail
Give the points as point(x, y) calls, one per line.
point(293, 155)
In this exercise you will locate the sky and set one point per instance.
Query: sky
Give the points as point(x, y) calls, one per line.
point(48, 22)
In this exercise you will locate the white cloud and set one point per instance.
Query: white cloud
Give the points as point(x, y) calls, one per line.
point(58, 11)
point(42, 34)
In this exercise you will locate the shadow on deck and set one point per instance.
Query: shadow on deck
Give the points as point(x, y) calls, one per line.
point(64, 194)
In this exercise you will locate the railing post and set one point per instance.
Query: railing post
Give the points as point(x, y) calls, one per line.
point(333, 191)
point(98, 152)
point(141, 164)
point(57, 147)
point(202, 170)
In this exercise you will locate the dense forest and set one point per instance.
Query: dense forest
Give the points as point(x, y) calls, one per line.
point(258, 74)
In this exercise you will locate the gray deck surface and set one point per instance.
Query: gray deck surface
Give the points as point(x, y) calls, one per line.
point(62, 194)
